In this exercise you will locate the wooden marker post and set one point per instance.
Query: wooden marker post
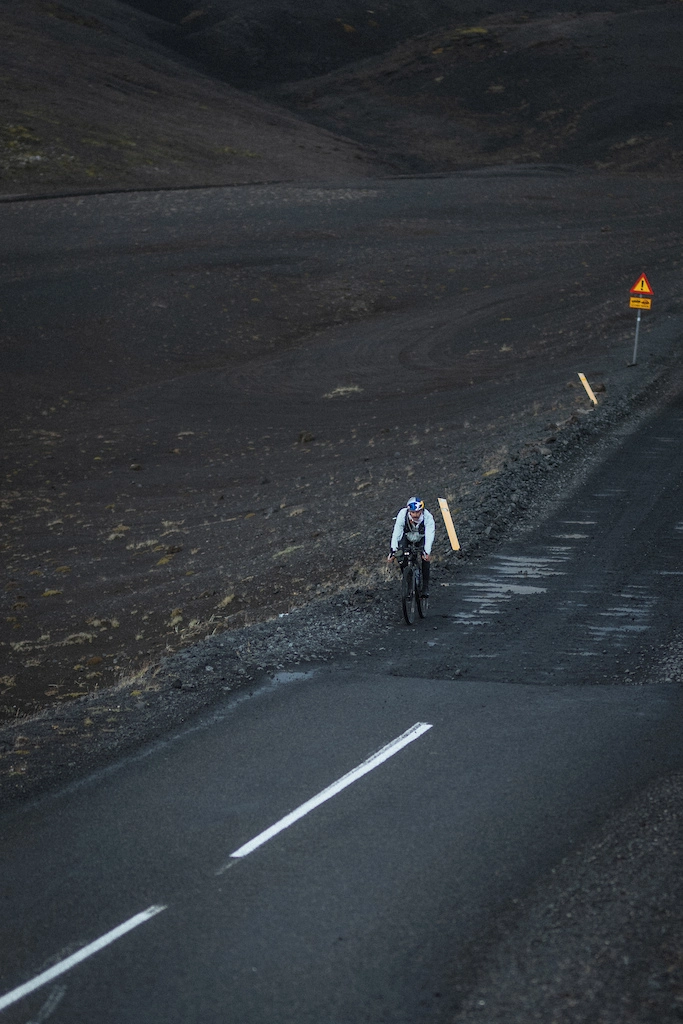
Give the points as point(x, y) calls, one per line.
point(448, 523)
point(589, 389)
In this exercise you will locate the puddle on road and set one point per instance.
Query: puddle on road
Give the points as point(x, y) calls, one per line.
point(491, 591)
point(520, 567)
point(490, 588)
point(625, 619)
point(628, 614)
point(292, 677)
point(602, 631)
point(467, 619)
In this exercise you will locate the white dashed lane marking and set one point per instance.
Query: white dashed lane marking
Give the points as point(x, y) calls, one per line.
point(382, 755)
point(387, 751)
point(65, 965)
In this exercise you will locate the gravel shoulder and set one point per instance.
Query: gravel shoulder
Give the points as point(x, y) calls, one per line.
point(599, 939)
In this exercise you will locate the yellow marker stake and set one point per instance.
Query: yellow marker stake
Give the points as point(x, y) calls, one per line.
point(589, 389)
point(448, 521)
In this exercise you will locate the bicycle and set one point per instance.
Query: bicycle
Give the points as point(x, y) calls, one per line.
point(412, 601)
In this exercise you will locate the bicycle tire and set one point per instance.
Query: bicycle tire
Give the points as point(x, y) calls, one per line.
point(422, 602)
point(408, 596)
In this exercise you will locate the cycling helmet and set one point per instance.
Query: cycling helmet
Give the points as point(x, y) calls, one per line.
point(415, 504)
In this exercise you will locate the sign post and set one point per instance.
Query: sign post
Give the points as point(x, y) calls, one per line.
point(641, 298)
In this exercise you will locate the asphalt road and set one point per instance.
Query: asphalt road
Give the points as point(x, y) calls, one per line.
point(377, 904)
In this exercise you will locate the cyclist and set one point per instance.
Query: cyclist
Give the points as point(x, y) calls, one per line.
point(414, 523)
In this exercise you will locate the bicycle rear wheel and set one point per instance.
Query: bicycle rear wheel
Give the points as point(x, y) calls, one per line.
point(409, 598)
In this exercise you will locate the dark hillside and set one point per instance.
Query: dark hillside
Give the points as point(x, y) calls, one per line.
point(89, 100)
point(107, 94)
point(597, 89)
point(254, 43)
point(257, 43)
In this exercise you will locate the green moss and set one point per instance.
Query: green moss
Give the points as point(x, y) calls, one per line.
point(64, 14)
point(109, 141)
point(19, 134)
point(229, 151)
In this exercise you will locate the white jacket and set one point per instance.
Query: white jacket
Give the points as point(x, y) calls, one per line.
point(430, 529)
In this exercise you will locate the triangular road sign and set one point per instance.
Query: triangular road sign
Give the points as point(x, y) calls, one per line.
point(642, 286)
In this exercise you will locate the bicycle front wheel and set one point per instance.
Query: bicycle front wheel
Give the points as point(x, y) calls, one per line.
point(422, 602)
point(409, 598)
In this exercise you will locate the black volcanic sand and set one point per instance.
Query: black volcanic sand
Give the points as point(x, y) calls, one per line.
point(215, 401)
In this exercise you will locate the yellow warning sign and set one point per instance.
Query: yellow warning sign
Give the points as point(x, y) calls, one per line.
point(642, 286)
point(448, 522)
point(637, 303)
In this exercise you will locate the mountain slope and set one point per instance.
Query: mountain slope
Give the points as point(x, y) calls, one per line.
point(89, 100)
point(260, 43)
point(107, 94)
point(598, 89)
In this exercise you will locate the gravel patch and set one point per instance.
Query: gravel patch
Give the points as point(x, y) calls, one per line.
point(599, 941)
